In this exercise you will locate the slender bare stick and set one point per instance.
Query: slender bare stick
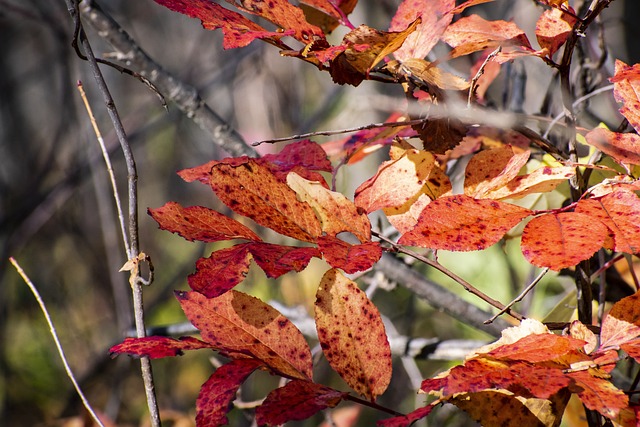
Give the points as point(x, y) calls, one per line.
point(519, 298)
point(54, 334)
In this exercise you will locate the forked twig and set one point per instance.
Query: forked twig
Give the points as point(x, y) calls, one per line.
point(54, 334)
point(519, 298)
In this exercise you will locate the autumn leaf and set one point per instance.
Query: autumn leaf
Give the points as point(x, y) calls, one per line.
point(240, 326)
point(352, 335)
point(537, 348)
point(335, 212)
point(460, 8)
point(348, 257)
point(461, 223)
point(199, 223)
point(250, 189)
point(614, 332)
point(323, 13)
point(619, 211)
point(306, 154)
point(221, 271)
point(473, 33)
point(598, 394)
point(492, 169)
point(439, 135)
point(626, 87)
point(219, 391)
point(627, 309)
point(406, 420)
point(623, 147)
point(561, 240)
point(427, 76)
point(541, 180)
point(276, 260)
point(238, 31)
point(296, 400)
point(434, 20)
point(157, 347)
point(554, 28)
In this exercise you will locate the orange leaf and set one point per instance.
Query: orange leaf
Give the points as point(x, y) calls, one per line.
point(538, 348)
point(200, 223)
point(491, 169)
point(561, 240)
point(461, 223)
point(348, 257)
point(473, 33)
point(296, 400)
point(240, 326)
point(626, 89)
point(614, 332)
point(598, 394)
point(402, 180)
point(334, 210)
point(435, 20)
point(619, 211)
point(553, 28)
point(627, 309)
point(352, 335)
point(541, 180)
point(223, 270)
point(252, 190)
point(623, 147)
point(219, 391)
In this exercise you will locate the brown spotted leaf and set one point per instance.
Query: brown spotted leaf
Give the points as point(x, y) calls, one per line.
point(623, 147)
point(219, 391)
point(537, 348)
point(440, 135)
point(276, 260)
point(335, 212)
point(554, 28)
point(462, 223)
point(352, 335)
point(627, 309)
point(297, 400)
point(222, 271)
point(541, 180)
point(406, 420)
point(240, 326)
point(561, 240)
point(306, 154)
point(492, 169)
point(626, 89)
point(238, 30)
point(202, 173)
point(473, 33)
point(597, 393)
point(200, 223)
point(157, 347)
point(348, 257)
point(435, 20)
point(250, 189)
point(619, 211)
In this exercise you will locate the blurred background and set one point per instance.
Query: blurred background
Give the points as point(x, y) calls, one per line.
point(57, 215)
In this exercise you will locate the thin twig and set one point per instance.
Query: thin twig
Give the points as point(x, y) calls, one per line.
point(473, 87)
point(54, 334)
point(521, 296)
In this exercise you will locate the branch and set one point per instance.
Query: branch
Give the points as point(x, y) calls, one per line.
point(185, 96)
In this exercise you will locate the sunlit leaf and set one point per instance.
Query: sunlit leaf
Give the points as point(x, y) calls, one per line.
point(626, 89)
point(323, 13)
point(221, 271)
point(348, 257)
point(219, 391)
point(461, 223)
point(627, 309)
point(250, 189)
point(157, 347)
point(492, 169)
point(296, 400)
point(333, 209)
point(615, 332)
point(352, 335)
point(536, 348)
point(554, 28)
point(623, 147)
point(598, 394)
point(240, 325)
point(541, 180)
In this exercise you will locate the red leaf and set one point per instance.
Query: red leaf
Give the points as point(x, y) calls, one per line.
point(619, 211)
point(538, 348)
point(217, 393)
point(243, 326)
point(473, 33)
point(202, 173)
point(157, 347)
point(461, 223)
point(238, 31)
point(598, 394)
point(348, 257)
point(553, 28)
point(561, 240)
point(627, 309)
point(626, 89)
point(632, 348)
point(352, 335)
point(623, 147)
point(541, 180)
point(222, 271)
point(277, 260)
point(200, 223)
point(306, 154)
point(435, 20)
point(297, 400)
point(253, 191)
point(406, 420)
point(492, 169)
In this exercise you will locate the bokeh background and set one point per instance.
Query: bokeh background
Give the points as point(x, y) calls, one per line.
point(57, 214)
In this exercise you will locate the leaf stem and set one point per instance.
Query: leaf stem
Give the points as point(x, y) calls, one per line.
point(372, 405)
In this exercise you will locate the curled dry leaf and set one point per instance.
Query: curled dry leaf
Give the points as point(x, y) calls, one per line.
point(352, 335)
point(541, 180)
